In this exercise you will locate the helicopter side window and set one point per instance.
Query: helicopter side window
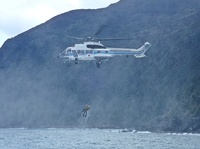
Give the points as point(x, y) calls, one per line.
point(88, 51)
point(82, 52)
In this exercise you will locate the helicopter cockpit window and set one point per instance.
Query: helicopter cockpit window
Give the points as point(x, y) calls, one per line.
point(96, 47)
point(68, 50)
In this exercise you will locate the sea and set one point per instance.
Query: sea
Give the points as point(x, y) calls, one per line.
point(85, 138)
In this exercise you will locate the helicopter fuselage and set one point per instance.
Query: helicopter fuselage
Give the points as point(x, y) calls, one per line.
point(95, 51)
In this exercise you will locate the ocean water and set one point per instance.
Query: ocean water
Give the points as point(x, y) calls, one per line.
point(82, 138)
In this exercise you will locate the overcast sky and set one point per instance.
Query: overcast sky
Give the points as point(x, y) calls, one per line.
point(17, 16)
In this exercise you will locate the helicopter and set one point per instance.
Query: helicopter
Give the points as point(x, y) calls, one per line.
point(93, 50)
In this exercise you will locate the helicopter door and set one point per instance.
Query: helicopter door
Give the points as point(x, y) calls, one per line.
point(74, 53)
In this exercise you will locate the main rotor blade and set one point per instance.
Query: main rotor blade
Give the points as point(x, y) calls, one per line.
point(105, 39)
point(73, 37)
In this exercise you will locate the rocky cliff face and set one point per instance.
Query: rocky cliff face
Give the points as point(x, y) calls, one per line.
point(37, 90)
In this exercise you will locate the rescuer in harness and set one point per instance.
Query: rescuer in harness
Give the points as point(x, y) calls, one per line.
point(84, 111)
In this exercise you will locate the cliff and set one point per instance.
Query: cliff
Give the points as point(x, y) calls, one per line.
point(159, 93)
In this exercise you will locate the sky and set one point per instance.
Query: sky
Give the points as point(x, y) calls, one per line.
point(17, 16)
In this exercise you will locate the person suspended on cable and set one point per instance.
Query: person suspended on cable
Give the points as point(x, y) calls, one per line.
point(84, 111)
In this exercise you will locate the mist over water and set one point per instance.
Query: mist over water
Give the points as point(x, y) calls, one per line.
point(73, 138)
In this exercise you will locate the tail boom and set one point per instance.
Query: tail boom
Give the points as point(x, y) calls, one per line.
point(142, 50)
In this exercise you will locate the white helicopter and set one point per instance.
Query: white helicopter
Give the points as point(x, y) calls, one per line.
point(92, 50)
